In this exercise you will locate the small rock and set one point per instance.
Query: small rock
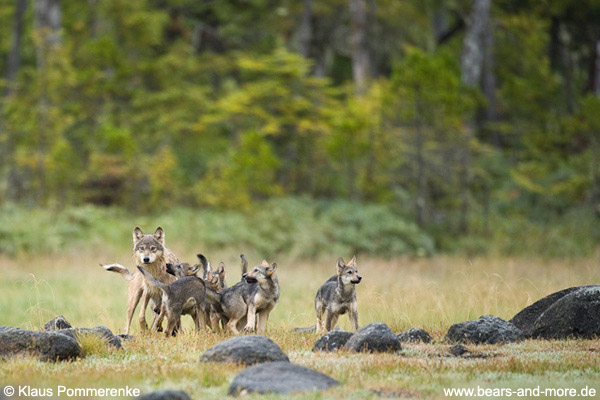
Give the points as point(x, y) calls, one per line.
point(525, 319)
point(332, 341)
point(56, 323)
point(279, 377)
point(165, 395)
point(487, 329)
point(458, 350)
point(414, 335)
point(48, 346)
point(576, 315)
point(246, 350)
point(375, 337)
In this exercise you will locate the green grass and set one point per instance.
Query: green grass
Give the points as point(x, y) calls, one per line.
point(404, 293)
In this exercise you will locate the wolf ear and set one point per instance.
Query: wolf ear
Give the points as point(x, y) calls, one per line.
point(195, 268)
point(265, 264)
point(271, 269)
point(352, 262)
point(170, 269)
point(137, 235)
point(160, 235)
point(340, 265)
point(221, 270)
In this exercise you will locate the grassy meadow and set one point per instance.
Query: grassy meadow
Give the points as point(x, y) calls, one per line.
point(431, 293)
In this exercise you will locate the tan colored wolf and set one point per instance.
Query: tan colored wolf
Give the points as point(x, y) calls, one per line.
point(150, 252)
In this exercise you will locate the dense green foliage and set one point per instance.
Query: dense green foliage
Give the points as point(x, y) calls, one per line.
point(151, 106)
point(292, 227)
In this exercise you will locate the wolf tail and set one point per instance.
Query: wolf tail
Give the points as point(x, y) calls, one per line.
point(244, 264)
point(204, 263)
point(118, 268)
point(153, 280)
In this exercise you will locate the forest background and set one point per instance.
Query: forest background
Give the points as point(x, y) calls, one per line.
point(306, 127)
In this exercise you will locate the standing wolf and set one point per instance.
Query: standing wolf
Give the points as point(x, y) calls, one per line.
point(337, 296)
point(250, 301)
point(150, 252)
point(187, 295)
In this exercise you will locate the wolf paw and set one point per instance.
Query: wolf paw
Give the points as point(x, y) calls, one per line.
point(248, 329)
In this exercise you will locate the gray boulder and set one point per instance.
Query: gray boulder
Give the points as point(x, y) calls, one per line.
point(575, 315)
point(525, 319)
point(56, 323)
point(487, 329)
point(414, 335)
point(332, 341)
point(48, 346)
point(165, 395)
point(279, 377)
point(100, 331)
point(246, 350)
point(374, 338)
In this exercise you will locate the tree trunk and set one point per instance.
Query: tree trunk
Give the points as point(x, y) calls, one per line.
point(473, 55)
point(440, 22)
point(597, 70)
point(47, 24)
point(14, 57)
point(421, 203)
point(473, 45)
point(489, 86)
point(360, 52)
point(94, 23)
point(306, 29)
point(594, 136)
point(12, 69)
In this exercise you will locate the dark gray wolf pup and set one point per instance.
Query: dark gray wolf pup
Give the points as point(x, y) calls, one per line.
point(187, 295)
point(251, 300)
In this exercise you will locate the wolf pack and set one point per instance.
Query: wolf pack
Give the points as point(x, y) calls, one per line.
point(172, 289)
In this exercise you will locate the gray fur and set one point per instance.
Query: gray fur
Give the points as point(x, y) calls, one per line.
point(187, 295)
point(183, 269)
point(215, 285)
point(255, 296)
point(337, 296)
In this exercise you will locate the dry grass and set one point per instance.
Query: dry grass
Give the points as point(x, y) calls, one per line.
point(427, 293)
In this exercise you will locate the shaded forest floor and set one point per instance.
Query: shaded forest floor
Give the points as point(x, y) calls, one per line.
point(404, 293)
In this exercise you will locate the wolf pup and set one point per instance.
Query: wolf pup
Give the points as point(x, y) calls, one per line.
point(180, 270)
point(149, 251)
point(255, 296)
point(215, 286)
point(338, 296)
point(187, 295)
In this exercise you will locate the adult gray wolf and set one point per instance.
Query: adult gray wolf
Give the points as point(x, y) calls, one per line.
point(150, 252)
